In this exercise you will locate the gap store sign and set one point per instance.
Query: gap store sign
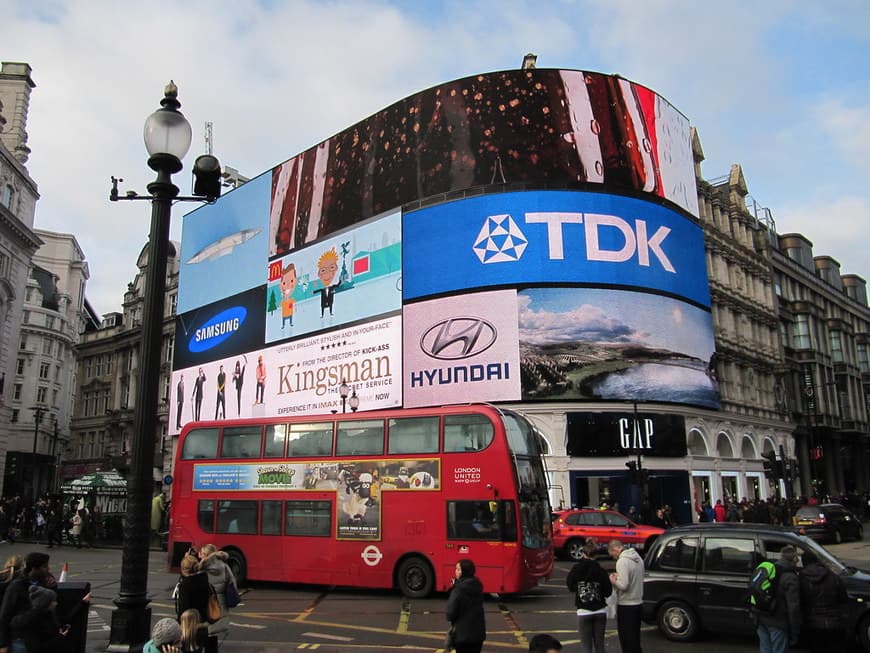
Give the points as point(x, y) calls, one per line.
point(535, 237)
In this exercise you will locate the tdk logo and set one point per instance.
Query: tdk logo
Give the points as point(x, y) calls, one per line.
point(217, 329)
point(457, 338)
point(501, 240)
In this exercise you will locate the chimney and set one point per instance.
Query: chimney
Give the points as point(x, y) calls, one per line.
point(15, 86)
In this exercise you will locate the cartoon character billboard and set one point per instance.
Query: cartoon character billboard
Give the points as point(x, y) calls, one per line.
point(350, 277)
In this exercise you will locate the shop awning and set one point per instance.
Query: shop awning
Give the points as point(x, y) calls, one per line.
point(110, 482)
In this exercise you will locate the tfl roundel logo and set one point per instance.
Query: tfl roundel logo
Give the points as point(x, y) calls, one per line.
point(217, 329)
point(458, 337)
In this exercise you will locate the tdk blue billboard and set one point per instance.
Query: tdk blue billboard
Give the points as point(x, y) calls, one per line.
point(543, 237)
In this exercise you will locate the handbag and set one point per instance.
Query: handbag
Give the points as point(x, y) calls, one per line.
point(231, 593)
point(449, 644)
point(214, 606)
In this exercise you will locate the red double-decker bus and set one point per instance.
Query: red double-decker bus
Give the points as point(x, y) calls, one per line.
point(382, 499)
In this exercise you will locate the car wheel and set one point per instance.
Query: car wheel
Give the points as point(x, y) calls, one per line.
point(864, 633)
point(838, 536)
point(574, 548)
point(677, 621)
point(415, 578)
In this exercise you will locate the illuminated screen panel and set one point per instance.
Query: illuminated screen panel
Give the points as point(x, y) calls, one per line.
point(346, 278)
point(224, 246)
point(504, 127)
point(537, 237)
point(611, 345)
point(301, 377)
point(461, 349)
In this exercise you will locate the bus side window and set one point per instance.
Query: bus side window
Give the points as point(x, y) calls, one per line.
point(360, 438)
point(310, 440)
point(467, 433)
point(200, 443)
point(205, 515)
point(242, 442)
point(413, 435)
point(473, 520)
point(237, 517)
point(276, 435)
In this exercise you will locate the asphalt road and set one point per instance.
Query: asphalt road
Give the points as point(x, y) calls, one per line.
point(277, 617)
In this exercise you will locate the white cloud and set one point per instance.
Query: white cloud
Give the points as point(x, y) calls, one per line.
point(849, 129)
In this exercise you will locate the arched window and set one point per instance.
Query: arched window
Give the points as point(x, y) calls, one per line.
point(723, 446)
point(697, 444)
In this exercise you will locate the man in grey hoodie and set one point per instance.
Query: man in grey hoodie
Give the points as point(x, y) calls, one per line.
point(628, 583)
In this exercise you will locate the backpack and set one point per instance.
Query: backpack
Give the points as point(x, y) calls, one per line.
point(762, 587)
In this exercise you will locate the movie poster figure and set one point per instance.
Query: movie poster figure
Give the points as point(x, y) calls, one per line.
point(327, 267)
point(179, 398)
point(221, 400)
point(261, 380)
point(238, 381)
point(198, 391)
point(288, 287)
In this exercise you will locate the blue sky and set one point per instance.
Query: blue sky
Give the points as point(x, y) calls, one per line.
point(782, 88)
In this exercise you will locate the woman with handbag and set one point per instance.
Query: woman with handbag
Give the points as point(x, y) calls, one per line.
point(465, 610)
point(195, 592)
point(220, 577)
point(591, 586)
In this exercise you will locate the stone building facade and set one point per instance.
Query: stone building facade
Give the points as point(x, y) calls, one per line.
point(18, 242)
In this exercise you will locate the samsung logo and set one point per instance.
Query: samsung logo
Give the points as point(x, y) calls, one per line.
point(457, 338)
point(217, 329)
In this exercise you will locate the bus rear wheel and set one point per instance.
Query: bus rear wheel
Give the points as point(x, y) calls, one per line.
point(237, 564)
point(415, 578)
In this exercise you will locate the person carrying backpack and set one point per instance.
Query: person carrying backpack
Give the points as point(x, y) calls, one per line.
point(823, 599)
point(775, 602)
point(591, 586)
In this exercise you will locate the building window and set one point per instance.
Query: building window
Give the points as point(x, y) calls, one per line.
point(836, 347)
point(22, 342)
point(25, 317)
point(47, 346)
point(57, 369)
point(173, 303)
point(7, 197)
point(16, 392)
point(54, 397)
point(14, 417)
point(20, 368)
point(863, 359)
point(49, 321)
point(108, 364)
point(801, 331)
point(107, 400)
point(41, 394)
point(4, 265)
point(88, 368)
point(43, 370)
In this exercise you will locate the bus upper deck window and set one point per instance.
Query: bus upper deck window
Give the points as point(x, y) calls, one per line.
point(467, 432)
point(200, 443)
point(361, 438)
point(310, 439)
point(242, 442)
point(413, 435)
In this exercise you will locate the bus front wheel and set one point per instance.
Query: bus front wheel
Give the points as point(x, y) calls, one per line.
point(237, 564)
point(415, 578)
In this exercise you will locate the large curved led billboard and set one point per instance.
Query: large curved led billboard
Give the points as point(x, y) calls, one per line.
point(524, 235)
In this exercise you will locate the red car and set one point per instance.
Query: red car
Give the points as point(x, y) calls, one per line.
point(571, 528)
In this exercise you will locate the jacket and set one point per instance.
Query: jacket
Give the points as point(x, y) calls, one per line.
point(590, 585)
point(16, 600)
point(193, 592)
point(629, 578)
point(465, 610)
point(823, 596)
point(40, 630)
point(786, 613)
point(219, 574)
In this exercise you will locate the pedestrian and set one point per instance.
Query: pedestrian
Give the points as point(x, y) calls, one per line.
point(823, 604)
point(628, 583)
point(193, 592)
point(40, 628)
point(158, 506)
point(779, 629)
point(165, 637)
point(465, 609)
point(16, 599)
point(11, 570)
point(545, 644)
point(55, 525)
point(719, 512)
point(75, 532)
point(219, 575)
point(659, 520)
point(591, 587)
point(5, 525)
point(194, 633)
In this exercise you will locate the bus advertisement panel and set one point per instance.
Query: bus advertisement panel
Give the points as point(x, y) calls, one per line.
point(385, 499)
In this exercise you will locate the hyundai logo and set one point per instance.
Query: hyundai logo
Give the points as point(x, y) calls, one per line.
point(458, 337)
point(217, 329)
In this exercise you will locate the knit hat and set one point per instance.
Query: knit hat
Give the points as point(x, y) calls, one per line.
point(166, 631)
point(40, 597)
point(35, 560)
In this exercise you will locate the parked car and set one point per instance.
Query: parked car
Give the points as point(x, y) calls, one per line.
point(571, 528)
point(828, 522)
point(696, 578)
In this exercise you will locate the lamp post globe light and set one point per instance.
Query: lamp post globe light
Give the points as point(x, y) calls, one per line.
point(343, 391)
point(167, 139)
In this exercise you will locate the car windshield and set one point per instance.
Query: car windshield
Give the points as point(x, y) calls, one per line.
point(824, 556)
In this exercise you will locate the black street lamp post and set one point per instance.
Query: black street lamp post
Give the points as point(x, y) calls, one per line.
point(38, 413)
point(344, 391)
point(167, 139)
point(353, 402)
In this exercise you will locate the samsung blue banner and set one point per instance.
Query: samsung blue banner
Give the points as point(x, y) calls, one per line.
point(536, 237)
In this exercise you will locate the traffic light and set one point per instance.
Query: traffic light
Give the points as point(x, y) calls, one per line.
point(772, 468)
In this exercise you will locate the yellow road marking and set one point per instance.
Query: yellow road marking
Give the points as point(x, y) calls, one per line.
point(404, 617)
